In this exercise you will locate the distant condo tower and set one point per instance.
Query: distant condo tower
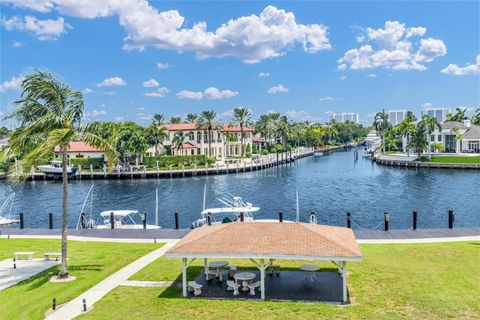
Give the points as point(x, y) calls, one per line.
point(439, 113)
point(345, 116)
point(397, 116)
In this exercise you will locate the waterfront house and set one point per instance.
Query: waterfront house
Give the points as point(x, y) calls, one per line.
point(79, 150)
point(224, 141)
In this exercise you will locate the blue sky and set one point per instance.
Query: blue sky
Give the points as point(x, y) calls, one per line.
point(316, 57)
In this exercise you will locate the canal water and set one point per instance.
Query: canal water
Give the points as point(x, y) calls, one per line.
point(329, 185)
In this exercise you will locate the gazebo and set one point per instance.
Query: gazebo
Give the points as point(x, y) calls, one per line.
point(263, 242)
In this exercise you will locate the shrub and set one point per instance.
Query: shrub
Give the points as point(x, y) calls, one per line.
point(177, 161)
point(97, 163)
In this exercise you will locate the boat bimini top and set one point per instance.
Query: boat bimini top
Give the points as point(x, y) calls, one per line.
point(118, 213)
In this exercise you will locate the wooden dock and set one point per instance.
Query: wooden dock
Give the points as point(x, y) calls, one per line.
point(430, 165)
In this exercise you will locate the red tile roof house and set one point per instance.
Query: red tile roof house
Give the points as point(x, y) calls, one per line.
point(225, 142)
point(80, 149)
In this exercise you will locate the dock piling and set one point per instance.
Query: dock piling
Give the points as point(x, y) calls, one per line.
point(22, 221)
point(177, 224)
point(386, 219)
point(144, 220)
point(50, 220)
point(414, 217)
point(112, 221)
point(451, 219)
point(349, 220)
point(280, 216)
point(242, 217)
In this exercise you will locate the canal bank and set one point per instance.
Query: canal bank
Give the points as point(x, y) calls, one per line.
point(427, 165)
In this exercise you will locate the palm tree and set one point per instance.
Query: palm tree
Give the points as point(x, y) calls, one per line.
point(178, 140)
point(381, 123)
point(192, 117)
point(49, 114)
point(476, 117)
point(430, 124)
point(242, 118)
point(158, 119)
point(262, 128)
point(418, 141)
point(207, 121)
point(459, 115)
point(406, 128)
point(175, 120)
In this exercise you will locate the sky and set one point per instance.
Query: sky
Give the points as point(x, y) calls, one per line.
point(135, 58)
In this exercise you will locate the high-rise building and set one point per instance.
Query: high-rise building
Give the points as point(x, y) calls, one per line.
point(439, 113)
point(397, 116)
point(345, 116)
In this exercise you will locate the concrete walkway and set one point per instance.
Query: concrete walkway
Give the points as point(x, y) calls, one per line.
point(25, 269)
point(75, 307)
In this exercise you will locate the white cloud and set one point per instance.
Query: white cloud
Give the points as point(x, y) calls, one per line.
point(393, 48)
point(426, 105)
point(162, 66)
point(250, 38)
point(119, 118)
point(215, 94)
point(277, 89)
point(47, 29)
point(301, 115)
point(111, 82)
point(143, 117)
point(87, 91)
point(469, 69)
point(343, 78)
point(326, 99)
point(150, 83)
point(263, 74)
point(372, 75)
point(18, 44)
point(13, 84)
point(160, 93)
point(43, 6)
point(109, 93)
point(191, 95)
point(95, 114)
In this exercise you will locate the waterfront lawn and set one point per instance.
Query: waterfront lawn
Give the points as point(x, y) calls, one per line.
point(89, 262)
point(414, 281)
point(453, 159)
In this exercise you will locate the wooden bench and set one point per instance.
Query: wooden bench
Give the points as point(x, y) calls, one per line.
point(195, 288)
point(233, 286)
point(252, 287)
point(47, 255)
point(19, 255)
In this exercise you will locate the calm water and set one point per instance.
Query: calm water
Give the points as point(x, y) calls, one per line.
point(329, 185)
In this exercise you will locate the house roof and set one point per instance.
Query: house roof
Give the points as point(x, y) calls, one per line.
point(269, 240)
point(189, 145)
point(79, 146)
point(471, 132)
point(193, 126)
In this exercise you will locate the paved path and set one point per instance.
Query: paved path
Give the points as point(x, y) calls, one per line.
point(74, 308)
point(25, 269)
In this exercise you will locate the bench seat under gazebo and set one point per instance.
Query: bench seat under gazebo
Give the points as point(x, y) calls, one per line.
point(263, 242)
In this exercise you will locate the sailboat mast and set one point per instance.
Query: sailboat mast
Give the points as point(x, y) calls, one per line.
point(204, 196)
point(156, 206)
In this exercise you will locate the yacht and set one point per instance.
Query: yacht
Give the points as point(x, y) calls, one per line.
point(6, 216)
point(123, 219)
point(372, 142)
point(55, 168)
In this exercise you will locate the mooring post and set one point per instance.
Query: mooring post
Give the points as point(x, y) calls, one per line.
point(91, 171)
point(80, 171)
point(14, 263)
point(22, 225)
point(242, 217)
point(144, 220)
point(84, 301)
point(280, 216)
point(451, 219)
point(50, 220)
point(54, 303)
point(349, 220)
point(209, 219)
point(83, 220)
point(414, 217)
point(177, 225)
point(112, 221)
point(386, 218)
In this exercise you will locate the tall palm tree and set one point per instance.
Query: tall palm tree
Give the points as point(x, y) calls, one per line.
point(191, 117)
point(178, 140)
point(49, 114)
point(175, 120)
point(381, 123)
point(459, 115)
point(430, 124)
point(158, 119)
point(418, 141)
point(241, 117)
point(476, 117)
point(262, 128)
point(406, 128)
point(207, 121)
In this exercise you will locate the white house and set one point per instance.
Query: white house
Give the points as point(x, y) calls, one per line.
point(80, 149)
point(225, 141)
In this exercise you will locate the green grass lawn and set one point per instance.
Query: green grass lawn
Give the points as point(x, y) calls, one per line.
point(418, 281)
point(453, 159)
point(90, 262)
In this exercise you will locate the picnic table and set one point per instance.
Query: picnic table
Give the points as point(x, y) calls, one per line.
point(245, 277)
point(310, 269)
point(20, 254)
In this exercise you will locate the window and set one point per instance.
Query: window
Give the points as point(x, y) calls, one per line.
point(199, 137)
point(450, 143)
point(474, 145)
point(191, 136)
point(439, 137)
point(432, 137)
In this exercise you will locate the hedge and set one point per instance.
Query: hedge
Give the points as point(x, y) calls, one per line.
point(176, 161)
point(97, 163)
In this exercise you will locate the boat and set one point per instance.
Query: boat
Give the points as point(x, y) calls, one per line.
point(123, 219)
point(56, 168)
point(372, 142)
point(317, 154)
point(235, 210)
point(7, 218)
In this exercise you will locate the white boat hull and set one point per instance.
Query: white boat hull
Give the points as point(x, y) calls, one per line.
point(129, 226)
point(47, 169)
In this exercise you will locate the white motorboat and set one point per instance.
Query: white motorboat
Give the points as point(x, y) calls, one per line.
point(55, 168)
point(7, 218)
point(233, 211)
point(372, 141)
point(123, 219)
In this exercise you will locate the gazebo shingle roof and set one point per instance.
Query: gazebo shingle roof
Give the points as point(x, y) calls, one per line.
point(269, 240)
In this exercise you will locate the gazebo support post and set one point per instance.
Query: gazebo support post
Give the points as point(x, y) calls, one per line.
point(262, 278)
point(205, 265)
point(342, 266)
point(184, 276)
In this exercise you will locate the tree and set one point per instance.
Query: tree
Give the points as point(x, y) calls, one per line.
point(49, 114)
point(178, 140)
point(476, 117)
point(156, 132)
point(438, 146)
point(262, 128)
point(283, 131)
point(242, 118)
point(418, 141)
point(381, 123)
point(430, 124)
point(316, 134)
point(158, 119)
point(192, 117)
point(175, 120)
point(459, 115)
point(207, 121)
point(4, 132)
point(131, 140)
point(406, 128)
